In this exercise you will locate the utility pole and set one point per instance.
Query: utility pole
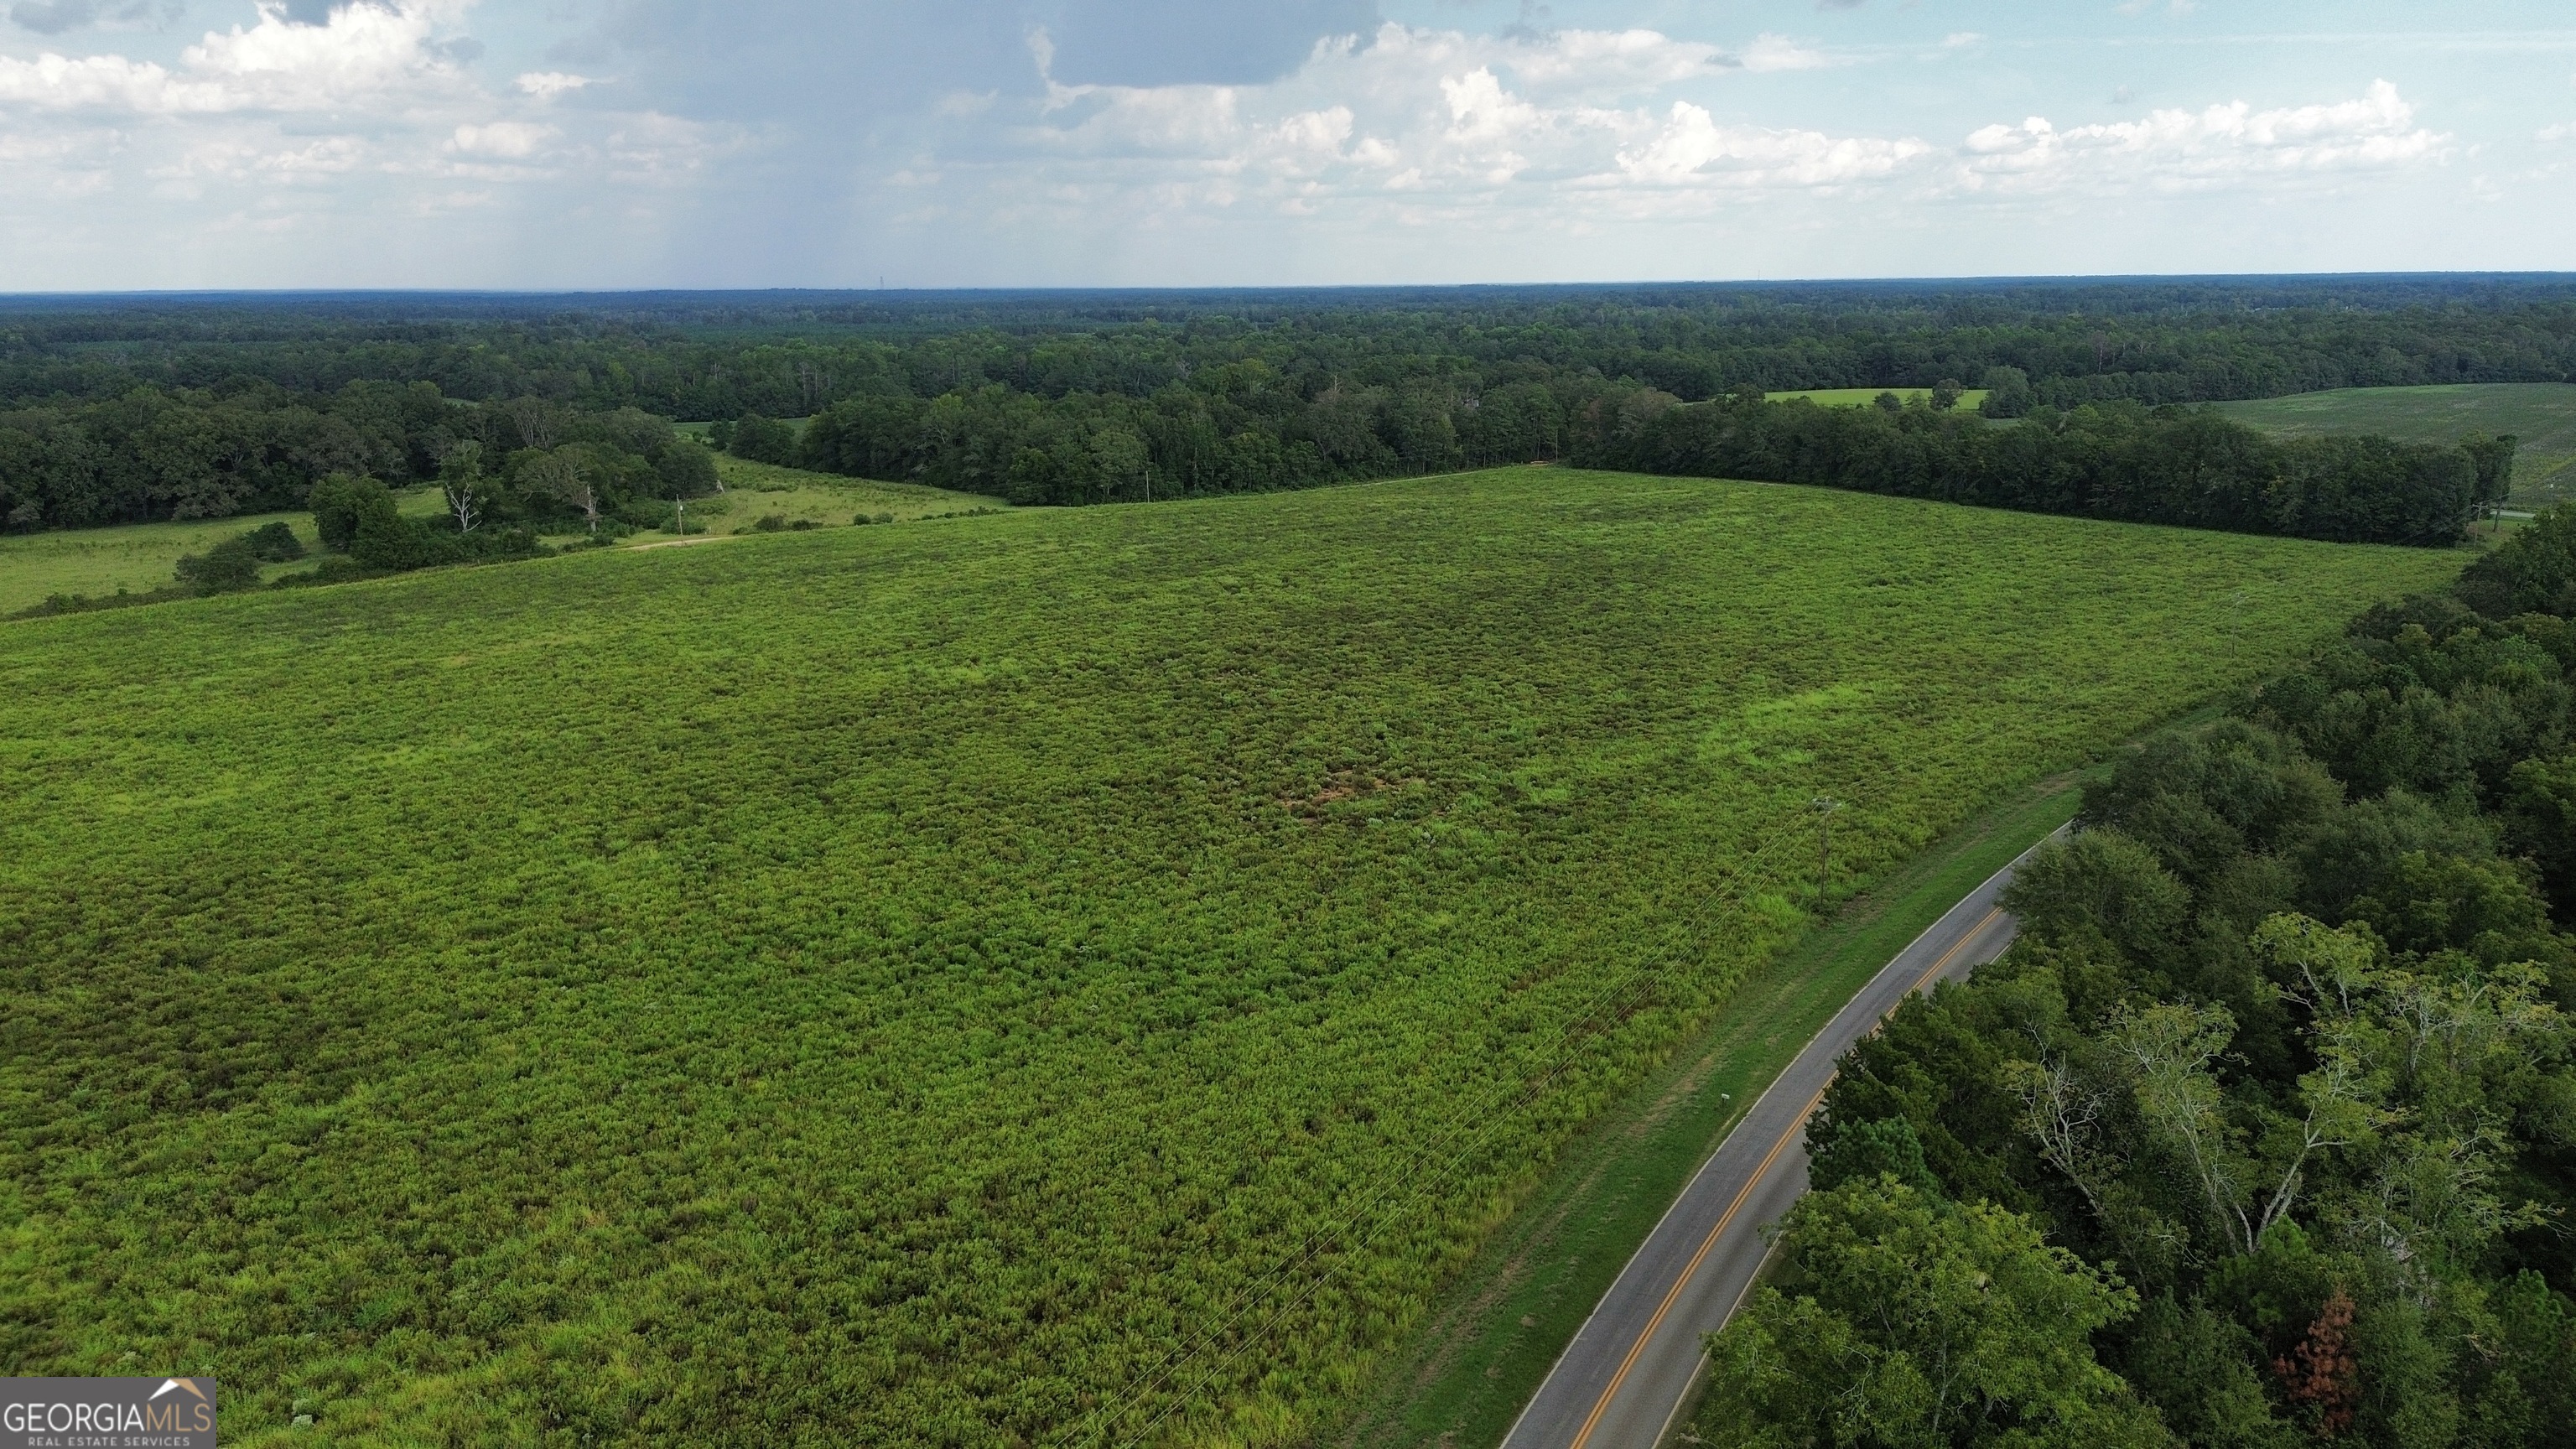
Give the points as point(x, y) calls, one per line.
point(682, 526)
point(1826, 805)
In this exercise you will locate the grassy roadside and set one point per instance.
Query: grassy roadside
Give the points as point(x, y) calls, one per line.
point(1481, 1352)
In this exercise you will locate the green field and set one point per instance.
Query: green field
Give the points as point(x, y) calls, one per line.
point(993, 981)
point(2542, 414)
point(137, 558)
point(1861, 397)
point(757, 490)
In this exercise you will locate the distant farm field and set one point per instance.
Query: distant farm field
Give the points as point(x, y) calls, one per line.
point(2542, 414)
point(1860, 397)
point(754, 491)
point(137, 558)
point(1062, 976)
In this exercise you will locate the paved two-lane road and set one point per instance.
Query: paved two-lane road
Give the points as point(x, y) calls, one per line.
point(1616, 1386)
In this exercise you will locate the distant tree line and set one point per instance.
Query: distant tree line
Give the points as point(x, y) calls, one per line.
point(718, 357)
point(1241, 429)
point(116, 413)
point(146, 454)
point(2264, 1131)
point(2173, 465)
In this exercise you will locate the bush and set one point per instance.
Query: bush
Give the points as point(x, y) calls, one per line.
point(274, 543)
point(228, 567)
point(390, 543)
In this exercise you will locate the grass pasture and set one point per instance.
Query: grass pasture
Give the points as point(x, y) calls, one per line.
point(137, 558)
point(2542, 414)
point(1060, 976)
point(755, 490)
point(1861, 397)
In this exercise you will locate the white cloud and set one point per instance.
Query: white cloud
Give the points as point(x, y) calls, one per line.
point(235, 159)
point(505, 140)
point(1593, 62)
point(1691, 149)
point(1432, 114)
point(545, 85)
point(2221, 145)
point(2563, 131)
point(103, 82)
point(1779, 52)
point(366, 52)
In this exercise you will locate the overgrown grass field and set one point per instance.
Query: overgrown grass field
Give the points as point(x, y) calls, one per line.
point(1062, 976)
point(2542, 414)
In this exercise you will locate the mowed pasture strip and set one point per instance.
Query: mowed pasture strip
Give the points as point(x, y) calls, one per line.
point(897, 984)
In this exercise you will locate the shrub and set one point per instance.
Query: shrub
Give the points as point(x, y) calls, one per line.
point(228, 567)
point(274, 543)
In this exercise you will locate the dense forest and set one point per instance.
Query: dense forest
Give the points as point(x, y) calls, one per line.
point(2264, 1131)
point(122, 409)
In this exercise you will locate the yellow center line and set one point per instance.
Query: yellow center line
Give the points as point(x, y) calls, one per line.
point(1672, 1295)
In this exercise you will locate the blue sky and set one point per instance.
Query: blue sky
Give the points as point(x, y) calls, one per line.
point(620, 143)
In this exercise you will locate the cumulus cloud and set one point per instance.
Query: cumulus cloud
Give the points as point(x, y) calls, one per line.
point(1423, 114)
point(2221, 145)
point(361, 111)
point(365, 52)
point(981, 133)
point(1692, 150)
